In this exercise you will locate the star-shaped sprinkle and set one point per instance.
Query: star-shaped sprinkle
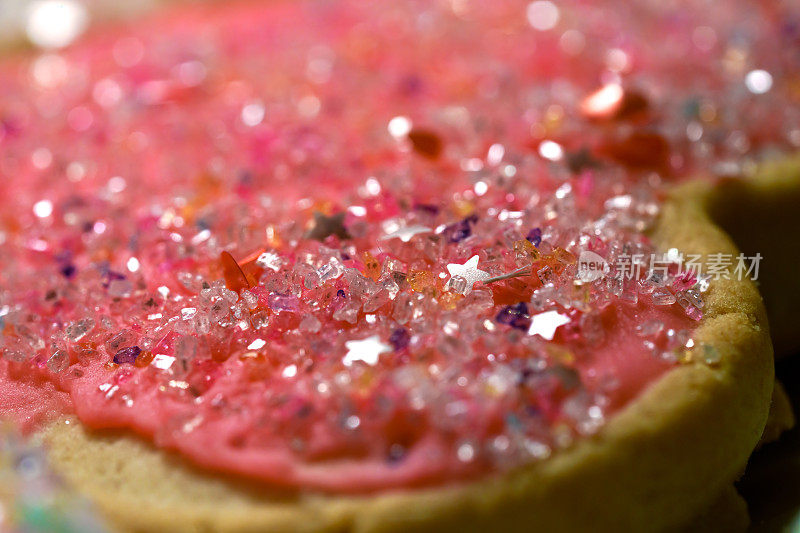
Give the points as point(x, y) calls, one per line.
point(367, 350)
point(324, 226)
point(469, 272)
point(545, 324)
point(405, 234)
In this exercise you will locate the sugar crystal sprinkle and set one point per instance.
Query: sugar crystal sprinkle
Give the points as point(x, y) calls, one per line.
point(302, 237)
point(367, 350)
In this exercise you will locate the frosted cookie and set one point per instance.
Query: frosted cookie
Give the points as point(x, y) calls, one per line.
point(377, 268)
point(719, 406)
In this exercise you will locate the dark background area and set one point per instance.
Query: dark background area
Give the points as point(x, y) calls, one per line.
point(771, 484)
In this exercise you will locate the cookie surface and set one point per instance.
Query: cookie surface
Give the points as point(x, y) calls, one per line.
point(389, 285)
point(668, 454)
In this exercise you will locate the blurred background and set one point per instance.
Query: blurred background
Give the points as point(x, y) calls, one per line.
point(771, 484)
point(50, 24)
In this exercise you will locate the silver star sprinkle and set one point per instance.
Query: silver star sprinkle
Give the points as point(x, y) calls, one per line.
point(366, 350)
point(406, 233)
point(546, 324)
point(468, 272)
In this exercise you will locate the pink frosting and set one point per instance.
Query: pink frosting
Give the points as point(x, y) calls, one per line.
point(311, 133)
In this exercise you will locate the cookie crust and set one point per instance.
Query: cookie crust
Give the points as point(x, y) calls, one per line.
point(653, 466)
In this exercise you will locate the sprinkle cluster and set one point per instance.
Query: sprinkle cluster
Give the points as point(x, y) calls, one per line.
point(336, 245)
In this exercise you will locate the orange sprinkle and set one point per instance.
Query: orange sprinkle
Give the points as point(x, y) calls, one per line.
point(449, 300)
point(421, 280)
point(235, 279)
point(145, 358)
point(525, 250)
point(372, 269)
point(563, 256)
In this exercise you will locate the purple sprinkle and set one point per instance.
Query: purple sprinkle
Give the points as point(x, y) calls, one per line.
point(109, 276)
point(410, 85)
point(515, 316)
point(535, 236)
point(64, 259)
point(341, 294)
point(245, 177)
point(127, 355)
point(68, 271)
point(399, 339)
point(64, 256)
point(533, 411)
point(460, 230)
point(396, 453)
point(524, 375)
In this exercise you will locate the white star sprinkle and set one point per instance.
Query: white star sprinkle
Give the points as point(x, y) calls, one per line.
point(406, 233)
point(546, 324)
point(367, 350)
point(468, 271)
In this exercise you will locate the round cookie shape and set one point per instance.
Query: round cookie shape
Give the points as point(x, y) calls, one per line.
point(668, 454)
point(401, 295)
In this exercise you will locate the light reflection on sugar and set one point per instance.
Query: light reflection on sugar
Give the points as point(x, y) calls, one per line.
point(41, 158)
point(551, 151)
point(542, 15)
point(758, 81)
point(253, 113)
point(399, 127)
point(43, 208)
point(55, 23)
point(133, 264)
point(49, 70)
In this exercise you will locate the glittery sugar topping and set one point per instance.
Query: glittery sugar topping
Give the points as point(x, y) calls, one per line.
point(344, 246)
